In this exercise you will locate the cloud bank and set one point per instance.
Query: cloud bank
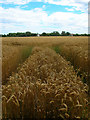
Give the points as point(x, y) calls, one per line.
point(77, 4)
point(37, 20)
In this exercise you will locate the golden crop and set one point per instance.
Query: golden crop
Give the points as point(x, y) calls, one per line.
point(45, 86)
point(74, 49)
point(11, 57)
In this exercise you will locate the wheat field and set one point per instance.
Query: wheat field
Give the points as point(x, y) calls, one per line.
point(45, 77)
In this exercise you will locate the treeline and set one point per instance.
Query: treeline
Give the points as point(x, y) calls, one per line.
point(20, 34)
point(28, 34)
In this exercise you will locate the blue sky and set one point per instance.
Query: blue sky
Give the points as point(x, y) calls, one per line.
point(49, 8)
point(43, 16)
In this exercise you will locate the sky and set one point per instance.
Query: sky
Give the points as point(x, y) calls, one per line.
point(39, 16)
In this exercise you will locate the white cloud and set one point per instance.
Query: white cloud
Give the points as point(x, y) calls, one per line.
point(63, 2)
point(76, 3)
point(69, 9)
point(43, 6)
point(37, 20)
point(81, 5)
point(18, 1)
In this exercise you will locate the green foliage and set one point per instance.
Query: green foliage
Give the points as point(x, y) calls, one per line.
point(54, 33)
point(43, 34)
point(20, 34)
point(65, 33)
point(26, 53)
point(56, 49)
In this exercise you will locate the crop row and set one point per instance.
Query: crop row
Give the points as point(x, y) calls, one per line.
point(12, 56)
point(78, 56)
point(45, 86)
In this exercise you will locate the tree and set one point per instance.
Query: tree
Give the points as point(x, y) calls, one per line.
point(3, 35)
point(67, 34)
point(63, 33)
point(34, 34)
point(77, 34)
point(55, 33)
point(28, 33)
point(43, 34)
